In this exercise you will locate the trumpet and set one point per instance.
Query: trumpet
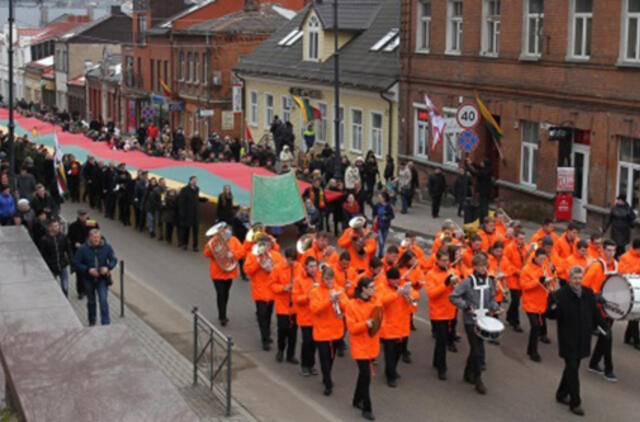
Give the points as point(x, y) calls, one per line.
point(501, 211)
point(254, 232)
point(261, 251)
point(336, 304)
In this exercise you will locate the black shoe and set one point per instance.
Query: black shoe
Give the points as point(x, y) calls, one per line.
point(452, 348)
point(184, 247)
point(152, 235)
point(313, 371)
point(80, 296)
point(391, 382)
point(563, 400)
point(340, 352)
point(293, 360)
point(305, 372)
point(357, 405)
point(596, 369)
point(413, 326)
point(406, 358)
point(517, 329)
point(535, 358)
point(270, 340)
point(327, 391)
point(224, 321)
point(480, 387)
point(457, 338)
point(280, 356)
point(160, 238)
point(468, 378)
point(442, 375)
point(483, 367)
point(195, 249)
point(266, 347)
point(577, 410)
point(368, 416)
point(545, 340)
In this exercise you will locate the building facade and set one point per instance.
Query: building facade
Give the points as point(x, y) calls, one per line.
point(557, 75)
point(103, 91)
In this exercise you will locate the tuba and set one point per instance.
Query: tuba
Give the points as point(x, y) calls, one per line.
point(305, 242)
point(261, 251)
point(254, 232)
point(219, 247)
point(359, 237)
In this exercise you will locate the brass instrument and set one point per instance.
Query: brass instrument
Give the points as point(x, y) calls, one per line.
point(377, 315)
point(305, 242)
point(219, 247)
point(500, 277)
point(336, 305)
point(255, 232)
point(261, 251)
point(501, 211)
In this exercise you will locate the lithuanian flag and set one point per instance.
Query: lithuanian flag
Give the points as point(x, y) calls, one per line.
point(493, 126)
point(309, 113)
point(167, 91)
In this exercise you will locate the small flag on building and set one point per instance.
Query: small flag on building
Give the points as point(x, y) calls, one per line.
point(247, 133)
point(58, 167)
point(492, 126)
point(167, 91)
point(438, 124)
point(309, 113)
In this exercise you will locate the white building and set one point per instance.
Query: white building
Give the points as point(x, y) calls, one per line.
point(21, 56)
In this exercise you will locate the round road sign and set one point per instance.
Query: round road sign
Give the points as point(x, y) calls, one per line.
point(468, 140)
point(468, 115)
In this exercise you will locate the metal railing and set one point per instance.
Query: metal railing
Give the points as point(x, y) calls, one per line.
point(212, 359)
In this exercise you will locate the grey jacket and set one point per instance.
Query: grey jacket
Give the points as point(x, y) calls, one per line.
point(465, 296)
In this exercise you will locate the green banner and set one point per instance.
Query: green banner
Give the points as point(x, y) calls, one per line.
point(276, 200)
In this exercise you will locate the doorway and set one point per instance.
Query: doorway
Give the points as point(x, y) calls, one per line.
point(580, 161)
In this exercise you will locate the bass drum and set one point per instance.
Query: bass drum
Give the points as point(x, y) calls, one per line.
point(621, 293)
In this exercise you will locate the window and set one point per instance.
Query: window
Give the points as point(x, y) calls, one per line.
point(376, 133)
point(151, 74)
point(287, 105)
point(159, 74)
point(454, 27)
point(253, 108)
point(205, 68)
point(196, 67)
point(424, 26)
point(181, 66)
point(139, 76)
point(321, 124)
point(421, 133)
point(629, 169)
point(190, 69)
point(580, 35)
point(340, 127)
point(356, 130)
point(166, 72)
point(314, 34)
point(268, 110)
point(534, 20)
point(631, 38)
point(530, 145)
point(451, 154)
point(491, 30)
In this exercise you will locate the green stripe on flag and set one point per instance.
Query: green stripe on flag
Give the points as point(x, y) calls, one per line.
point(276, 200)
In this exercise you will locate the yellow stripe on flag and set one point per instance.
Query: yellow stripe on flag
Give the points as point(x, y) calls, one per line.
point(300, 104)
point(487, 114)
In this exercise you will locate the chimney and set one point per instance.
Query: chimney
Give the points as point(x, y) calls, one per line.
point(251, 5)
point(115, 10)
point(90, 8)
point(44, 14)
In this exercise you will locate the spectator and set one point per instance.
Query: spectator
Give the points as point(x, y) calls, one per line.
point(109, 179)
point(276, 133)
point(95, 260)
point(620, 219)
point(336, 206)
point(26, 184)
point(27, 214)
point(309, 136)
point(139, 193)
point(196, 144)
point(286, 159)
point(189, 213)
point(7, 205)
point(170, 214)
point(157, 199)
point(415, 182)
point(150, 206)
point(124, 187)
point(56, 251)
point(462, 189)
point(352, 175)
point(383, 215)
point(389, 168)
point(370, 177)
point(42, 200)
point(316, 194)
point(240, 228)
point(313, 220)
point(179, 142)
point(350, 208)
point(404, 184)
point(73, 178)
point(225, 205)
point(484, 184)
point(78, 234)
point(40, 226)
point(437, 185)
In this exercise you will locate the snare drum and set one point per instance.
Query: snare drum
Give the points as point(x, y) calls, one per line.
point(622, 295)
point(488, 328)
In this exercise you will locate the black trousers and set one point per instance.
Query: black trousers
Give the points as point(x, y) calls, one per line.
point(307, 348)
point(603, 349)
point(124, 211)
point(222, 296)
point(80, 289)
point(139, 217)
point(74, 188)
point(631, 334)
point(570, 382)
point(513, 313)
point(361, 395)
point(441, 329)
point(327, 353)
point(110, 205)
point(287, 334)
point(264, 310)
point(535, 321)
point(484, 206)
point(392, 351)
point(476, 351)
point(184, 235)
point(452, 330)
point(168, 232)
point(435, 205)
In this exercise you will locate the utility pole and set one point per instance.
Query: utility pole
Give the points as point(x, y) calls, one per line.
point(336, 95)
point(12, 159)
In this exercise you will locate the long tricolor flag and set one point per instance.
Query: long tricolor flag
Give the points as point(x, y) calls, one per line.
point(492, 126)
point(309, 113)
point(438, 123)
point(58, 166)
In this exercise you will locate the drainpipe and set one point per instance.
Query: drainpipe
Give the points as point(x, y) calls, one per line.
point(243, 122)
point(390, 102)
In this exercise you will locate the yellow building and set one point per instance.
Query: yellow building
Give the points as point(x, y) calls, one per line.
point(298, 60)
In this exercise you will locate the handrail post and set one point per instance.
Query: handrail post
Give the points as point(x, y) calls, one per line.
point(121, 289)
point(195, 345)
point(228, 411)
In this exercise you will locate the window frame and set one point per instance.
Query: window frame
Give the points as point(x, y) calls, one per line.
point(267, 109)
point(624, 45)
point(454, 23)
point(630, 167)
point(352, 130)
point(417, 123)
point(341, 128)
point(587, 18)
point(381, 131)
point(189, 66)
point(253, 107)
point(181, 66)
point(322, 127)
point(539, 17)
point(313, 43)
point(205, 69)
point(423, 29)
point(490, 21)
point(533, 151)
point(285, 99)
point(196, 68)
point(453, 130)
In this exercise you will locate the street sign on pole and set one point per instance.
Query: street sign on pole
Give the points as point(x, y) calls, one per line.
point(468, 140)
point(205, 113)
point(468, 115)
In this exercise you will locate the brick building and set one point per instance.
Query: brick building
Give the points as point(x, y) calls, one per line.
point(103, 90)
point(558, 75)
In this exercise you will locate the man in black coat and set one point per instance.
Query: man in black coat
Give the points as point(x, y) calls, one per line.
point(189, 213)
point(109, 177)
point(437, 186)
point(56, 252)
point(179, 142)
point(139, 193)
point(484, 184)
point(124, 193)
point(620, 220)
point(78, 233)
point(574, 308)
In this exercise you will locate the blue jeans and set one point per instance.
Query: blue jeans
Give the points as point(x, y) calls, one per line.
point(405, 203)
point(382, 238)
point(92, 287)
point(64, 280)
point(151, 222)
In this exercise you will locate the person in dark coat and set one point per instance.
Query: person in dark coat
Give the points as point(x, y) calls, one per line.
point(109, 177)
point(73, 177)
point(462, 189)
point(415, 182)
point(179, 142)
point(170, 214)
point(90, 175)
point(389, 169)
point(189, 213)
point(437, 185)
point(124, 189)
point(574, 308)
point(78, 233)
point(26, 184)
point(139, 193)
point(225, 205)
point(42, 200)
point(240, 227)
point(56, 252)
point(620, 220)
point(484, 184)
point(196, 145)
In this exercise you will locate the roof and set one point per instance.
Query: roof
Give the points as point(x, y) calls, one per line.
point(109, 29)
point(185, 12)
point(55, 30)
point(360, 66)
point(265, 20)
point(41, 65)
point(108, 70)
point(77, 81)
point(353, 15)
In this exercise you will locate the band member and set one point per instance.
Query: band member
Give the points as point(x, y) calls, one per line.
point(546, 230)
point(475, 247)
point(361, 244)
point(346, 276)
point(398, 300)
point(500, 268)
point(595, 245)
point(303, 283)
point(375, 271)
point(574, 308)
point(461, 271)
point(258, 266)
point(579, 258)
point(535, 282)
point(515, 253)
point(466, 296)
point(409, 271)
point(447, 230)
point(390, 258)
point(281, 284)
point(327, 304)
point(431, 261)
point(223, 277)
point(630, 264)
point(321, 250)
point(409, 243)
point(364, 348)
point(594, 278)
point(488, 233)
point(565, 246)
point(439, 285)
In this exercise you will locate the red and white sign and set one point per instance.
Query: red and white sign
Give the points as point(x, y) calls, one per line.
point(566, 181)
point(468, 115)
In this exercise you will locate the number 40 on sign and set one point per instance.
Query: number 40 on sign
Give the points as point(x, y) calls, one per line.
point(467, 115)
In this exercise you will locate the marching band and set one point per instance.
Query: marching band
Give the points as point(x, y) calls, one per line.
point(331, 294)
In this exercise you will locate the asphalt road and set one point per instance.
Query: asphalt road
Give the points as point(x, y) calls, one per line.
point(518, 389)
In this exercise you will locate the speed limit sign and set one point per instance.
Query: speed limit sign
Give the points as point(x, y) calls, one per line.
point(467, 115)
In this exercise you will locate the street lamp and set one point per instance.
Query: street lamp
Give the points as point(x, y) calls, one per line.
point(336, 86)
point(12, 160)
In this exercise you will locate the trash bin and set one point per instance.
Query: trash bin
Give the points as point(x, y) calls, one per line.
point(564, 206)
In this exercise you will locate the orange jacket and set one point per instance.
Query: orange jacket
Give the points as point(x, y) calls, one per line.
point(215, 272)
point(540, 234)
point(429, 264)
point(461, 270)
point(563, 247)
point(423, 260)
point(488, 239)
point(574, 260)
point(302, 286)
point(362, 346)
point(515, 255)
point(595, 275)
point(260, 278)
point(346, 279)
point(505, 268)
point(440, 308)
point(360, 263)
point(629, 262)
point(397, 312)
point(501, 229)
point(318, 254)
point(593, 252)
point(248, 245)
point(282, 276)
point(326, 324)
point(534, 296)
point(437, 242)
point(467, 256)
